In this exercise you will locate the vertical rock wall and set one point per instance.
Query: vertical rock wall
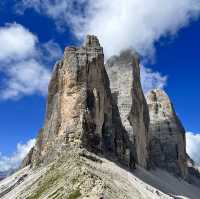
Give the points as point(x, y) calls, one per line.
point(139, 118)
point(124, 75)
point(168, 145)
point(80, 109)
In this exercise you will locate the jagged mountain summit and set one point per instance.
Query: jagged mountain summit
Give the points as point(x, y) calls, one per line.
point(124, 75)
point(167, 144)
point(81, 112)
point(100, 138)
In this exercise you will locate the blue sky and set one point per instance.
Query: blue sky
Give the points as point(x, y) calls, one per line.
point(168, 41)
point(179, 60)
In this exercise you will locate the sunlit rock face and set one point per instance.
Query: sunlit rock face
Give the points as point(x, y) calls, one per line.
point(124, 75)
point(80, 109)
point(96, 130)
point(167, 135)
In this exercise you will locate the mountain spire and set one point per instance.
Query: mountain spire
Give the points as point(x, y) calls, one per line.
point(168, 145)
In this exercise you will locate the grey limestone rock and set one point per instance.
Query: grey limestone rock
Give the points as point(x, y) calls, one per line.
point(124, 74)
point(168, 144)
point(80, 109)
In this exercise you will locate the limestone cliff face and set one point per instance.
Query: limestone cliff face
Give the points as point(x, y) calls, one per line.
point(139, 118)
point(90, 128)
point(124, 74)
point(80, 109)
point(168, 145)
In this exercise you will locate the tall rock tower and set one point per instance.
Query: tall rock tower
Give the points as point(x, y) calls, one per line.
point(167, 143)
point(80, 110)
point(124, 75)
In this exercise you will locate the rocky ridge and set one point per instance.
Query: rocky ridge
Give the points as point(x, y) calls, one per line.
point(88, 176)
point(100, 135)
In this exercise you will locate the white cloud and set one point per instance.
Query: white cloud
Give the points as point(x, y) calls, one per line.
point(152, 79)
point(51, 51)
point(193, 146)
point(12, 162)
point(135, 24)
point(120, 24)
point(16, 42)
point(23, 62)
point(25, 78)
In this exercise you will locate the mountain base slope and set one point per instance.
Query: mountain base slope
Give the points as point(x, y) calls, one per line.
point(88, 176)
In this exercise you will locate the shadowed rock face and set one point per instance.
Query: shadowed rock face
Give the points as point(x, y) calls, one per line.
point(167, 145)
point(2, 175)
point(80, 110)
point(120, 72)
point(124, 75)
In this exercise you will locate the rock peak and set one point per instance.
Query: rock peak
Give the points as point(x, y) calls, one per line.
point(81, 112)
point(92, 41)
point(157, 93)
point(167, 135)
point(124, 74)
point(158, 98)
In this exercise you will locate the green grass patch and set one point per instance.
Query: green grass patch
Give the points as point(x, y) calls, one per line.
point(56, 193)
point(44, 185)
point(74, 195)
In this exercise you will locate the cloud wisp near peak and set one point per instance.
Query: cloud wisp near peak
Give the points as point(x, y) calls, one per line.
point(120, 24)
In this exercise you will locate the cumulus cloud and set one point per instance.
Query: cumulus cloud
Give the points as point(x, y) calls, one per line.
point(12, 162)
point(25, 78)
point(51, 51)
point(23, 61)
point(17, 42)
point(193, 146)
point(120, 24)
point(152, 79)
point(136, 24)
